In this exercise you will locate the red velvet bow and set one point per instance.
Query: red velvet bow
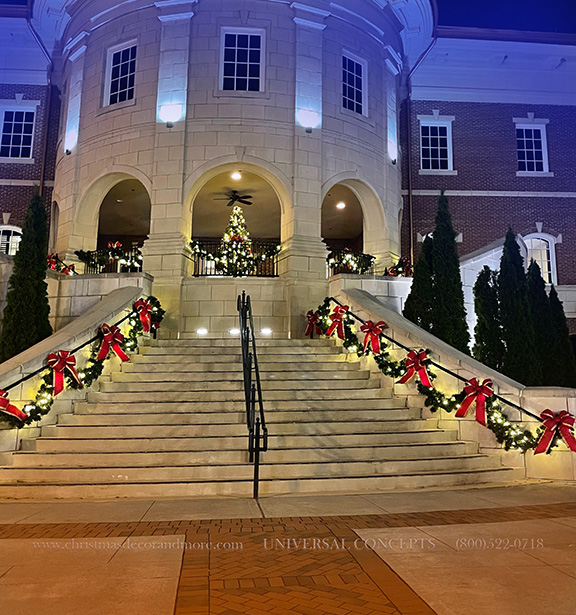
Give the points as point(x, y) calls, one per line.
point(373, 332)
point(144, 310)
point(7, 408)
point(114, 245)
point(112, 339)
point(337, 318)
point(68, 269)
point(52, 262)
point(562, 422)
point(60, 361)
point(415, 365)
point(478, 393)
point(313, 324)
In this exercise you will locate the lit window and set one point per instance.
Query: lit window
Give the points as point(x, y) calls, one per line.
point(10, 239)
point(541, 249)
point(242, 66)
point(120, 74)
point(436, 145)
point(17, 134)
point(354, 84)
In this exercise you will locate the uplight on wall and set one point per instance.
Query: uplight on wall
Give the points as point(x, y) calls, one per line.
point(234, 331)
point(202, 332)
point(70, 141)
point(170, 113)
point(309, 119)
point(266, 331)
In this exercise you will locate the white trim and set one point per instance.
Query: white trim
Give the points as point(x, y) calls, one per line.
point(110, 51)
point(25, 182)
point(437, 120)
point(495, 193)
point(364, 63)
point(531, 123)
point(240, 30)
point(534, 174)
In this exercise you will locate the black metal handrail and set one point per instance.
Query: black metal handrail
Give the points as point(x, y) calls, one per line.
point(440, 367)
point(115, 260)
point(265, 254)
point(255, 419)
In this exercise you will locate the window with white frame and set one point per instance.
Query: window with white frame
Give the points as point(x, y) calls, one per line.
point(531, 145)
point(354, 81)
point(541, 248)
point(120, 74)
point(17, 133)
point(10, 239)
point(436, 144)
point(242, 60)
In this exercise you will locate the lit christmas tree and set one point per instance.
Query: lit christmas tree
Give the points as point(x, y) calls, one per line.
point(235, 257)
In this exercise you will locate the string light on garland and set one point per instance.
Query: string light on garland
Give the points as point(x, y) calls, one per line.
point(402, 269)
point(93, 369)
point(547, 436)
point(346, 261)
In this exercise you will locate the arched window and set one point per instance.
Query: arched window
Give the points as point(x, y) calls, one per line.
point(541, 248)
point(10, 239)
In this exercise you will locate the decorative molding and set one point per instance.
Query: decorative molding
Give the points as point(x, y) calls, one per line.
point(175, 17)
point(310, 9)
point(495, 193)
point(309, 24)
point(24, 183)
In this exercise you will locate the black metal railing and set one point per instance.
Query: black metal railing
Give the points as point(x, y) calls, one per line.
point(441, 367)
point(263, 253)
point(255, 418)
point(121, 260)
point(346, 261)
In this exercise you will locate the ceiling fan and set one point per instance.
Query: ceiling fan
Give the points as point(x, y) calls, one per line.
point(234, 197)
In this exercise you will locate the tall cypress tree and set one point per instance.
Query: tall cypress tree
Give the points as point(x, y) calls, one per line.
point(520, 360)
point(25, 321)
point(562, 359)
point(545, 335)
point(418, 305)
point(488, 346)
point(448, 311)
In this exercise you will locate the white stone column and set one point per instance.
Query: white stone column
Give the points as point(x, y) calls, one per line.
point(164, 252)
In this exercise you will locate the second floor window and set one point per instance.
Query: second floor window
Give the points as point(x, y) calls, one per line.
point(17, 134)
point(120, 74)
point(531, 146)
point(435, 147)
point(242, 64)
point(354, 85)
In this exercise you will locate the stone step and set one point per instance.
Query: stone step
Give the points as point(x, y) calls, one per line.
point(238, 376)
point(202, 368)
point(308, 358)
point(236, 351)
point(225, 457)
point(234, 418)
point(235, 343)
point(198, 473)
point(107, 404)
point(343, 396)
point(421, 432)
point(350, 484)
point(317, 430)
point(272, 384)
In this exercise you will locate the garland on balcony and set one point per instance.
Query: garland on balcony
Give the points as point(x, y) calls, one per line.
point(402, 269)
point(55, 264)
point(98, 259)
point(62, 371)
point(346, 261)
point(488, 409)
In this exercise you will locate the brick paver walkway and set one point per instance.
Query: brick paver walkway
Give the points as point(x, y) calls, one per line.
point(265, 567)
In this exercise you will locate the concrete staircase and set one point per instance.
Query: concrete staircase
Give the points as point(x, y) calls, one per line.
point(172, 424)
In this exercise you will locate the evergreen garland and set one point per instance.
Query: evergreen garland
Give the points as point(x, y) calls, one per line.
point(448, 311)
point(520, 360)
point(26, 315)
point(418, 304)
point(488, 346)
point(562, 361)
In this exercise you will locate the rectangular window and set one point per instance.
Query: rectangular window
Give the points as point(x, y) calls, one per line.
point(17, 134)
point(120, 74)
point(242, 65)
point(530, 143)
point(353, 85)
point(435, 147)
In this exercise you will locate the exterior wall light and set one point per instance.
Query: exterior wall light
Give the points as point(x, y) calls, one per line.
point(341, 205)
point(234, 331)
point(237, 176)
point(170, 113)
point(309, 119)
point(266, 331)
point(202, 332)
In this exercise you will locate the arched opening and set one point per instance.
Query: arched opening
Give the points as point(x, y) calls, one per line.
point(124, 215)
point(212, 208)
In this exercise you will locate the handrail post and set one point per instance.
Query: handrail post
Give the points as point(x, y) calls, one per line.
point(256, 487)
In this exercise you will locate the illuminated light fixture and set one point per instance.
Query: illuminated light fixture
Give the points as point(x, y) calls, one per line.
point(341, 205)
point(70, 141)
point(237, 176)
point(202, 332)
point(266, 331)
point(309, 119)
point(234, 331)
point(171, 113)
